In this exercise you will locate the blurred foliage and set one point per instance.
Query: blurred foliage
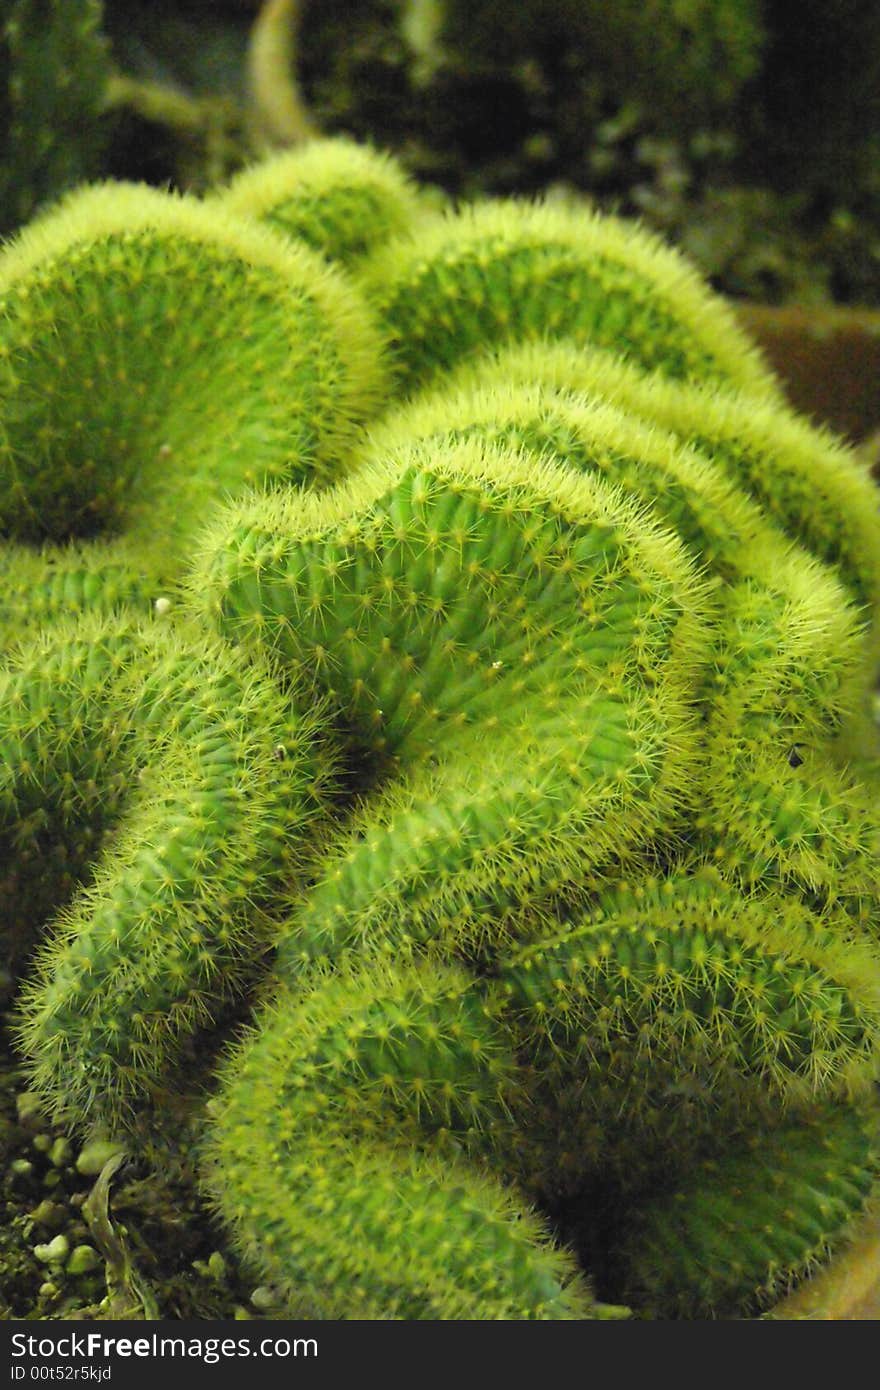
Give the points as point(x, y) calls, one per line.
point(748, 131)
point(685, 60)
point(745, 130)
point(53, 69)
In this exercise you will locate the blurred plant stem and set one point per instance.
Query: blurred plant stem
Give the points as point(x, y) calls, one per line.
point(279, 116)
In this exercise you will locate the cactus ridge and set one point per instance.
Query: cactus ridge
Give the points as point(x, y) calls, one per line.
point(215, 780)
point(39, 586)
point(506, 270)
point(726, 532)
point(342, 198)
point(514, 643)
point(156, 356)
point(682, 975)
point(365, 1084)
point(745, 1225)
point(806, 481)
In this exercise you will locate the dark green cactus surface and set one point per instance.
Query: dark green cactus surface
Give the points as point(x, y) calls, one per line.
point(434, 636)
point(742, 1223)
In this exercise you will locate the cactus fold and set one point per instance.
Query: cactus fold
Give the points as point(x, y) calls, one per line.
point(213, 778)
point(743, 1226)
point(40, 585)
point(507, 271)
point(341, 198)
point(679, 993)
point(720, 524)
point(155, 356)
point(338, 1154)
point(513, 647)
point(806, 481)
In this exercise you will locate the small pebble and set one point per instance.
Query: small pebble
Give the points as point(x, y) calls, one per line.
point(92, 1158)
point(83, 1259)
point(264, 1298)
point(60, 1152)
point(27, 1105)
point(48, 1213)
point(54, 1252)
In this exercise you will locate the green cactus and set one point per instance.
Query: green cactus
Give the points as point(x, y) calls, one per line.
point(215, 779)
point(443, 597)
point(40, 585)
point(155, 356)
point(743, 1226)
point(338, 1154)
point(758, 1004)
point(511, 271)
point(54, 67)
point(341, 198)
point(560, 634)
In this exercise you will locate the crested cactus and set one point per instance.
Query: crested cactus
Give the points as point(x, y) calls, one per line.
point(341, 198)
point(595, 902)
